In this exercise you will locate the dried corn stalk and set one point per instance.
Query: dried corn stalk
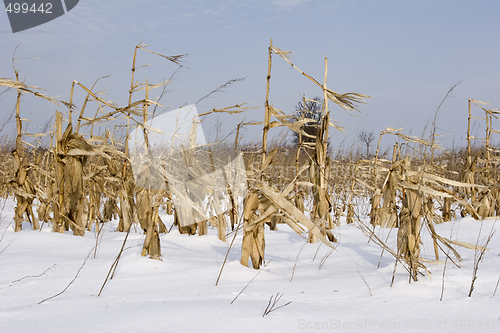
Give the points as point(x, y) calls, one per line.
point(24, 192)
point(72, 153)
point(447, 212)
point(409, 226)
point(253, 245)
point(148, 202)
point(387, 216)
point(126, 197)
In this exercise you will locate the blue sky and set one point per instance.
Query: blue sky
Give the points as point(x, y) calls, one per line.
point(405, 54)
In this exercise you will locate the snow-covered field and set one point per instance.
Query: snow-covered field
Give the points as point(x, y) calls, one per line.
point(342, 292)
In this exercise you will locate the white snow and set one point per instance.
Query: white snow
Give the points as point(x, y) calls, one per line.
point(178, 294)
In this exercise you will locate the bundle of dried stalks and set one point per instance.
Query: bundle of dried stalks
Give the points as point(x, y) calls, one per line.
point(72, 152)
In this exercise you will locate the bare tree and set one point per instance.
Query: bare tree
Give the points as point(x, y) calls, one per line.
point(366, 138)
point(310, 109)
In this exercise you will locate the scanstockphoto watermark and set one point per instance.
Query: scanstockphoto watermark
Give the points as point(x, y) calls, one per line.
point(395, 325)
point(26, 14)
point(171, 152)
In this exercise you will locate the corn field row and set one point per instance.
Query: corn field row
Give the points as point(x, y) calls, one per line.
point(83, 180)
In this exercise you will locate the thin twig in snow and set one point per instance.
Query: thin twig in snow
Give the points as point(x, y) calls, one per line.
point(112, 269)
point(323, 260)
point(5, 248)
point(270, 306)
point(317, 250)
point(250, 281)
point(369, 289)
point(446, 262)
point(444, 271)
point(478, 256)
point(496, 287)
point(296, 259)
point(97, 241)
point(383, 249)
point(5, 230)
point(31, 276)
point(77, 273)
point(239, 227)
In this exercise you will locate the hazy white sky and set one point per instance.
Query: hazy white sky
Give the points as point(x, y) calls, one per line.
point(405, 54)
